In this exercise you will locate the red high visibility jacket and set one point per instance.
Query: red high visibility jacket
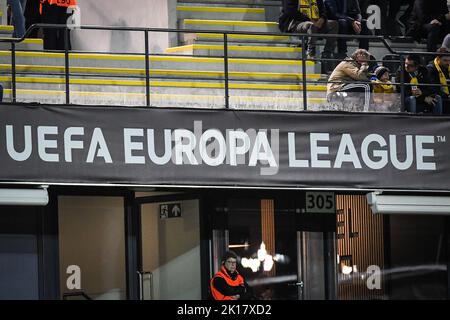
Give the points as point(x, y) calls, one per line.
point(59, 3)
point(62, 3)
point(239, 281)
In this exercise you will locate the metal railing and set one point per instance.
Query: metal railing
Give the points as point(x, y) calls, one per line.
point(226, 39)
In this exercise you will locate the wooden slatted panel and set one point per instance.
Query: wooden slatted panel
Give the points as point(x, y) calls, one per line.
point(360, 241)
point(268, 229)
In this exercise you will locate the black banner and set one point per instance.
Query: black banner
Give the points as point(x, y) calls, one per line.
point(151, 146)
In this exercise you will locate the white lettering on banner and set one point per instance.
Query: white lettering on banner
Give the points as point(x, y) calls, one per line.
point(44, 144)
point(69, 144)
point(342, 156)
point(421, 153)
point(314, 138)
point(264, 155)
point(129, 146)
point(233, 147)
point(381, 154)
point(25, 154)
point(409, 152)
point(348, 153)
point(98, 140)
point(180, 136)
point(293, 162)
point(221, 154)
point(165, 158)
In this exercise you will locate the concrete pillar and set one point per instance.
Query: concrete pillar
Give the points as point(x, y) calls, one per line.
point(129, 13)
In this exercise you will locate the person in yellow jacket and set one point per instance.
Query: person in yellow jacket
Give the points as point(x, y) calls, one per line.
point(381, 81)
point(382, 87)
point(55, 12)
point(227, 283)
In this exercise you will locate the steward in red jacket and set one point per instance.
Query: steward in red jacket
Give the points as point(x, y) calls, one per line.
point(228, 284)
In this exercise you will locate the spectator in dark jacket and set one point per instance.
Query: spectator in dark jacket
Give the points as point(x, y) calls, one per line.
point(430, 20)
point(418, 96)
point(293, 20)
point(348, 15)
point(439, 73)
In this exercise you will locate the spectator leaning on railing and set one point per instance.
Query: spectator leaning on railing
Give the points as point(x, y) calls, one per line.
point(351, 75)
point(439, 73)
point(418, 96)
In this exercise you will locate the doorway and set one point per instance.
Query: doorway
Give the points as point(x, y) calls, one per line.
point(170, 254)
point(284, 253)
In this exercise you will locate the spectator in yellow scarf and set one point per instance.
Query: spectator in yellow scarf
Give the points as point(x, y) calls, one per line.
point(439, 73)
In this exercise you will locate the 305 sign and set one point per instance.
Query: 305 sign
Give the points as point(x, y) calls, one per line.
point(320, 202)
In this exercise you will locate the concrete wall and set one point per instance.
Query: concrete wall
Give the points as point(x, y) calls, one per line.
point(91, 231)
point(171, 251)
point(125, 13)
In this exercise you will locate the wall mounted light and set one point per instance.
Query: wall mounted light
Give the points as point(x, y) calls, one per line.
point(24, 197)
point(408, 204)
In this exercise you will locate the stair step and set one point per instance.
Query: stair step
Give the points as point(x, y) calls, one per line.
point(87, 73)
point(6, 30)
point(26, 44)
point(186, 83)
point(217, 13)
point(278, 52)
point(229, 25)
point(157, 62)
point(166, 99)
point(191, 38)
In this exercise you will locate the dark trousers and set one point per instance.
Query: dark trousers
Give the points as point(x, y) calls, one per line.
point(394, 8)
point(54, 38)
point(32, 16)
point(345, 27)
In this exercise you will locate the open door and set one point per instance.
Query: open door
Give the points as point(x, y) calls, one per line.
point(170, 264)
point(284, 253)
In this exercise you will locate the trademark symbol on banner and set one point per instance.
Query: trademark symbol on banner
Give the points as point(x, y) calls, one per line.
point(440, 138)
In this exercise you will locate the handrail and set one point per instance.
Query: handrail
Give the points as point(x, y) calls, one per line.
point(303, 37)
